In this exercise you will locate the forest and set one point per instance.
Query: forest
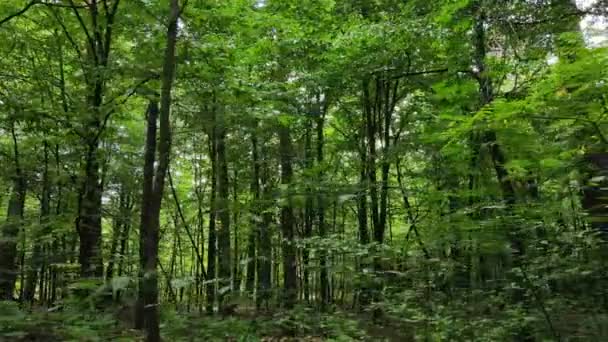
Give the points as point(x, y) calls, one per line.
point(303, 170)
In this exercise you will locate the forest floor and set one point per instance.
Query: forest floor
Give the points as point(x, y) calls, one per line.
point(300, 324)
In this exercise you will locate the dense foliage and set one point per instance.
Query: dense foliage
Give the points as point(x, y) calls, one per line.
point(326, 170)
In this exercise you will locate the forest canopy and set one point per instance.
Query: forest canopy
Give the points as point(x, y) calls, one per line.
point(259, 170)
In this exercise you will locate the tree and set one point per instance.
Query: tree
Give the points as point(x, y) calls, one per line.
point(154, 182)
point(8, 242)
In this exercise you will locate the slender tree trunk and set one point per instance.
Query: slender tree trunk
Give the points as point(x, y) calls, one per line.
point(45, 211)
point(389, 100)
point(255, 211)
point(370, 129)
point(10, 231)
point(308, 212)
point(212, 239)
point(264, 252)
point(124, 234)
point(116, 234)
point(236, 274)
point(364, 297)
point(199, 191)
point(324, 282)
point(290, 290)
point(123, 248)
point(223, 201)
point(146, 230)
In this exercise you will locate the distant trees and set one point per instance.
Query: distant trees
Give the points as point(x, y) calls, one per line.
point(378, 156)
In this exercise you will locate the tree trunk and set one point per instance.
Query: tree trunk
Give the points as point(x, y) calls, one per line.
point(370, 129)
point(212, 240)
point(486, 96)
point(324, 282)
point(264, 262)
point(45, 211)
point(89, 222)
point(155, 181)
point(388, 99)
point(290, 290)
point(146, 230)
point(308, 211)
point(223, 201)
point(236, 274)
point(117, 233)
point(124, 234)
point(255, 214)
point(10, 231)
point(364, 293)
point(199, 191)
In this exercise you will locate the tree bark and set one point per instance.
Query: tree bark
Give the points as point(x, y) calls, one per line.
point(255, 214)
point(10, 231)
point(486, 96)
point(212, 240)
point(124, 234)
point(308, 211)
point(370, 130)
point(323, 277)
point(364, 295)
point(146, 230)
point(89, 220)
point(117, 233)
point(88, 223)
point(223, 208)
point(290, 290)
point(236, 274)
point(264, 262)
point(154, 183)
point(45, 211)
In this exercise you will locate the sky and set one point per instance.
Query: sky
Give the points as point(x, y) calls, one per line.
point(595, 28)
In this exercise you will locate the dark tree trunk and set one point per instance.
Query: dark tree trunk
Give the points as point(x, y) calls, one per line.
point(146, 231)
point(264, 252)
point(370, 129)
point(323, 277)
point(362, 193)
point(10, 231)
point(45, 211)
point(290, 290)
point(236, 274)
point(89, 222)
point(155, 182)
point(389, 101)
point(308, 211)
point(362, 215)
point(256, 212)
point(223, 208)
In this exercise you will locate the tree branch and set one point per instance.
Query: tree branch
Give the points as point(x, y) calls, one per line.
point(20, 12)
point(418, 73)
point(186, 226)
point(85, 29)
point(73, 43)
point(110, 15)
